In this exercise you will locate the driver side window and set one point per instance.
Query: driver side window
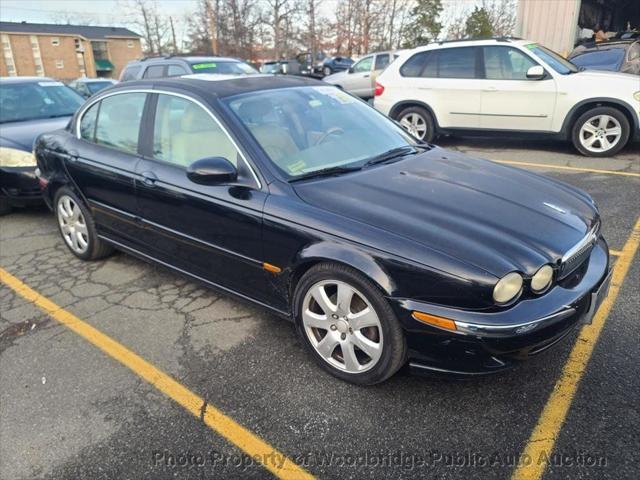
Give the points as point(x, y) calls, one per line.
point(363, 65)
point(506, 63)
point(184, 132)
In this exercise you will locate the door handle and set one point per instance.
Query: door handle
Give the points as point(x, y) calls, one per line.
point(149, 179)
point(490, 89)
point(367, 76)
point(72, 155)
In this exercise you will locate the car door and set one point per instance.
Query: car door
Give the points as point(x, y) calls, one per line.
point(447, 80)
point(511, 101)
point(102, 159)
point(358, 81)
point(211, 231)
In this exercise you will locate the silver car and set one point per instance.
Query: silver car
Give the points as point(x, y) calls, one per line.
point(360, 78)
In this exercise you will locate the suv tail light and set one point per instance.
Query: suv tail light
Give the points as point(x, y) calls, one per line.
point(379, 89)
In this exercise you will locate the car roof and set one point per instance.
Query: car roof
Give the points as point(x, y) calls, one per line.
point(222, 85)
point(188, 59)
point(472, 43)
point(606, 45)
point(26, 79)
point(94, 80)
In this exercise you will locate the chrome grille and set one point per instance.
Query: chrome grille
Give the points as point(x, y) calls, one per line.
point(579, 253)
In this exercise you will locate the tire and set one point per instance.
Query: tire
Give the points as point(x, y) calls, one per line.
point(326, 71)
point(384, 348)
point(5, 206)
point(418, 122)
point(77, 228)
point(589, 133)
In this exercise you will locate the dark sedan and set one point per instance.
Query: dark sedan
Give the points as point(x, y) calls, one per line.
point(332, 65)
point(29, 106)
point(613, 56)
point(298, 197)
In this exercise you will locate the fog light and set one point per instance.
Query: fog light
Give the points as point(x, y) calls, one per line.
point(507, 288)
point(541, 281)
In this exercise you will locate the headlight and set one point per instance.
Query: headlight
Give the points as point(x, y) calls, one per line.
point(11, 157)
point(637, 96)
point(542, 279)
point(507, 288)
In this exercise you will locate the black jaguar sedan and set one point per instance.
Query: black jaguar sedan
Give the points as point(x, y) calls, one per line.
point(298, 197)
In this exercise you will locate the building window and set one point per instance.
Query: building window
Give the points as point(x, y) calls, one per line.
point(55, 41)
point(59, 64)
point(100, 50)
point(130, 43)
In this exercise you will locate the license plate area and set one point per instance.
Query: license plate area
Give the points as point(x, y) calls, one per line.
point(597, 298)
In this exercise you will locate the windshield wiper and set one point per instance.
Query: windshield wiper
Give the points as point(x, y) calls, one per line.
point(392, 154)
point(325, 172)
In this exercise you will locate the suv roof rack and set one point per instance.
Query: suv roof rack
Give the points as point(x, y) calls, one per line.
point(475, 39)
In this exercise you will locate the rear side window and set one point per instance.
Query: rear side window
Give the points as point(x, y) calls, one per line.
point(457, 62)
point(413, 67)
point(130, 73)
point(88, 123)
point(155, 71)
point(382, 61)
point(119, 118)
point(175, 71)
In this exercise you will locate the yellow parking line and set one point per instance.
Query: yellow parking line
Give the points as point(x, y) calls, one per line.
point(615, 253)
point(273, 460)
point(540, 445)
point(562, 167)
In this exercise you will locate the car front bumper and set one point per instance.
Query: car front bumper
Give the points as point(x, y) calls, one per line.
point(489, 342)
point(20, 186)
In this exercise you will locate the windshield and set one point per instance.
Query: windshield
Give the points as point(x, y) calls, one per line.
point(602, 60)
point(270, 68)
point(224, 68)
point(97, 86)
point(31, 101)
point(551, 58)
point(308, 129)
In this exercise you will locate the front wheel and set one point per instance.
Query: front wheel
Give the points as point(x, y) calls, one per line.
point(600, 132)
point(327, 71)
point(5, 206)
point(77, 227)
point(347, 325)
point(418, 122)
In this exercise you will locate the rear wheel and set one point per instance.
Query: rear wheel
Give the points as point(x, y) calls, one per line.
point(600, 132)
point(77, 227)
point(347, 325)
point(418, 122)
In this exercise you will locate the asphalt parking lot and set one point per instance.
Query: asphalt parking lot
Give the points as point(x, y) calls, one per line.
point(73, 405)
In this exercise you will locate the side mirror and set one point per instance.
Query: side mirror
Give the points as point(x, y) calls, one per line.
point(212, 171)
point(350, 70)
point(536, 73)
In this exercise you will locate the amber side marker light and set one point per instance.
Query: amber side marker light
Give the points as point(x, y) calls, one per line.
point(435, 321)
point(271, 268)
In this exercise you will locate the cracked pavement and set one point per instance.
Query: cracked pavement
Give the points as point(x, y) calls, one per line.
point(68, 411)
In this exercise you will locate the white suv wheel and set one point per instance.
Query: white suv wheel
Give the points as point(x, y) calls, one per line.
point(600, 133)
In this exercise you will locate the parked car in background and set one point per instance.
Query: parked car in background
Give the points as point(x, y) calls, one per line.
point(175, 66)
point(614, 56)
point(360, 78)
point(29, 106)
point(88, 86)
point(290, 193)
point(505, 85)
point(332, 65)
point(274, 67)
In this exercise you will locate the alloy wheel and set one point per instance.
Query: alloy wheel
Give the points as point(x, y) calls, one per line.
point(342, 326)
point(415, 124)
point(72, 225)
point(600, 133)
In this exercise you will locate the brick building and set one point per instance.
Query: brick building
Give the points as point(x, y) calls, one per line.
point(65, 51)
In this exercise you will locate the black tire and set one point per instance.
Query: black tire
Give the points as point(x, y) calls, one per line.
point(590, 114)
point(5, 206)
point(394, 347)
point(423, 113)
point(96, 248)
point(326, 71)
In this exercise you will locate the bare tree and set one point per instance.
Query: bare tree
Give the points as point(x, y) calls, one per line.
point(502, 14)
point(147, 19)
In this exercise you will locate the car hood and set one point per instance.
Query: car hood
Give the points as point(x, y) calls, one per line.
point(608, 82)
point(21, 135)
point(335, 77)
point(491, 216)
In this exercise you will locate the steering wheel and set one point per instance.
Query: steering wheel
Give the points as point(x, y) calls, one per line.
point(328, 133)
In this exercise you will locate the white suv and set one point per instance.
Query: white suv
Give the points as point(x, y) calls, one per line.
point(509, 85)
